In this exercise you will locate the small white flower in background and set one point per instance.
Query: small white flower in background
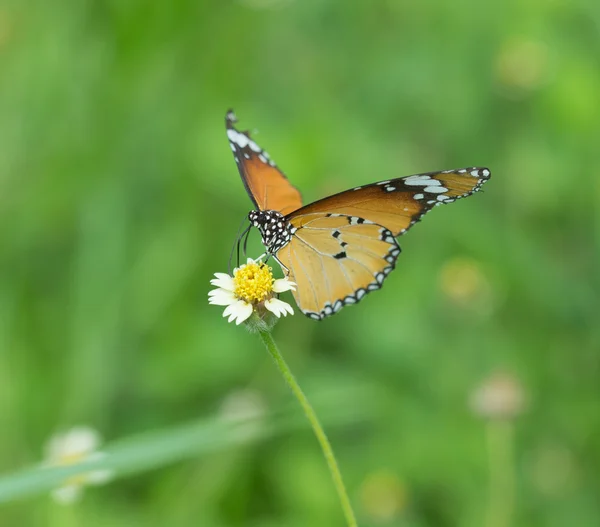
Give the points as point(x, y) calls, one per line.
point(70, 448)
point(251, 287)
point(500, 396)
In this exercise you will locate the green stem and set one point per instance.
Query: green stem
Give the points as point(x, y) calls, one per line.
point(502, 479)
point(267, 338)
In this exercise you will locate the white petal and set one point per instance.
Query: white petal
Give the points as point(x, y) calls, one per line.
point(67, 494)
point(250, 261)
point(221, 297)
point(230, 308)
point(239, 311)
point(224, 281)
point(278, 307)
point(244, 313)
point(80, 440)
point(273, 307)
point(283, 284)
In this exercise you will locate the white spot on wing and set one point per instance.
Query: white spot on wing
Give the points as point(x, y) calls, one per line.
point(236, 137)
point(435, 190)
point(421, 181)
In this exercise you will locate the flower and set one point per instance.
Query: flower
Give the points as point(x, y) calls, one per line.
point(251, 288)
point(70, 448)
point(500, 396)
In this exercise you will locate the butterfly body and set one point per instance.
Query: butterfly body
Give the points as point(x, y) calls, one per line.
point(342, 247)
point(275, 230)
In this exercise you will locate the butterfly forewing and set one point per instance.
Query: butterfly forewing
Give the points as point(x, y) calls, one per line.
point(397, 204)
point(266, 185)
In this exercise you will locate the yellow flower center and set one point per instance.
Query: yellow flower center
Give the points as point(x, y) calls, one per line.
point(253, 282)
point(72, 459)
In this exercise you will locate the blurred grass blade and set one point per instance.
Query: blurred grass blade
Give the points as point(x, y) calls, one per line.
point(152, 450)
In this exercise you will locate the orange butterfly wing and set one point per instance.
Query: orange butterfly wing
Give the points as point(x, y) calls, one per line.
point(397, 204)
point(266, 185)
point(344, 246)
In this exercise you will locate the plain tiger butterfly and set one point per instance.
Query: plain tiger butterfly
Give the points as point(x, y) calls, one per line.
point(342, 247)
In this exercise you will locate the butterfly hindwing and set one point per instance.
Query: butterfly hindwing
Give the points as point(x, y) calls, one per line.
point(336, 260)
point(266, 185)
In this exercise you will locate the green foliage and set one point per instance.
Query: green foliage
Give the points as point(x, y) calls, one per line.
point(119, 198)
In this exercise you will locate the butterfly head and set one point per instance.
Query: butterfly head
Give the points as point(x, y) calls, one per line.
point(275, 230)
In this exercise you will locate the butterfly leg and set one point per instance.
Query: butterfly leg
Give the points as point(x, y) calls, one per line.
point(285, 269)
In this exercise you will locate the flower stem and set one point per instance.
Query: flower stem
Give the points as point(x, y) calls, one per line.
point(502, 479)
point(267, 339)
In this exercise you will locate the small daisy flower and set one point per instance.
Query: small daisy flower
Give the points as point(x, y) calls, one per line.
point(500, 396)
point(251, 288)
point(75, 446)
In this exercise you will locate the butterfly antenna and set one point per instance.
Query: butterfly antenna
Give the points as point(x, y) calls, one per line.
point(236, 244)
point(247, 233)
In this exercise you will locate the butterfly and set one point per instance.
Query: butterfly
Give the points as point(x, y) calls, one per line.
point(342, 247)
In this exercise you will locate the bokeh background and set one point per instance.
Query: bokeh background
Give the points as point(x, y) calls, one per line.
point(470, 382)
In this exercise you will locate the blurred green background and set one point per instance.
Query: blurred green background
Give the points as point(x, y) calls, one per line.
point(119, 199)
